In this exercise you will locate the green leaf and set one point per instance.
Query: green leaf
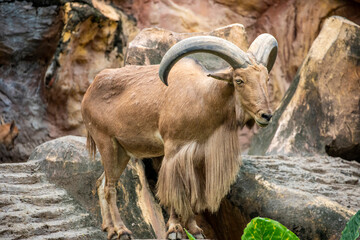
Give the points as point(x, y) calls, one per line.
point(267, 229)
point(351, 230)
point(191, 237)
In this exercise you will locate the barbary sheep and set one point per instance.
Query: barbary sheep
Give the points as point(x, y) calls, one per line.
point(192, 123)
point(8, 134)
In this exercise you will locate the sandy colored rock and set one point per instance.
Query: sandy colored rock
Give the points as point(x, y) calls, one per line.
point(321, 112)
point(90, 42)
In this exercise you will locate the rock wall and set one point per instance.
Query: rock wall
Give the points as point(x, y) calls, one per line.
point(294, 23)
point(49, 53)
point(29, 34)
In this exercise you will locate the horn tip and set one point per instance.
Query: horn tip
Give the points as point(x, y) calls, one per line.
point(164, 80)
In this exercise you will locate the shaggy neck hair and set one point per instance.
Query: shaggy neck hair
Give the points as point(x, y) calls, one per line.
point(200, 174)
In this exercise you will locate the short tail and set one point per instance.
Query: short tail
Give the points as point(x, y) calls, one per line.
point(91, 146)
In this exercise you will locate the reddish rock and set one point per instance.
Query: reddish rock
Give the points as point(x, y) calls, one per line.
point(321, 112)
point(294, 23)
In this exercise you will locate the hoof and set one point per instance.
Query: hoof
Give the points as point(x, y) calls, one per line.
point(199, 236)
point(175, 236)
point(125, 237)
point(111, 232)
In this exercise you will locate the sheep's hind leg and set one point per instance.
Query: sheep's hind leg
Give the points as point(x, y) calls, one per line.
point(175, 230)
point(194, 229)
point(114, 159)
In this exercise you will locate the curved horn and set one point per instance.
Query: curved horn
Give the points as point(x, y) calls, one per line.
point(264, 49)
point(214, 45)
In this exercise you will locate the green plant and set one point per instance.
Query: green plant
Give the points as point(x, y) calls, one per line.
point(351, 230)
point(267, 229)
point(191, 237)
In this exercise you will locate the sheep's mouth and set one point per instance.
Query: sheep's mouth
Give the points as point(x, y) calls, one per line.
point(261, 124)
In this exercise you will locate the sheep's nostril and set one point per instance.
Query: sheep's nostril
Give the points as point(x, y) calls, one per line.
point(266, 116)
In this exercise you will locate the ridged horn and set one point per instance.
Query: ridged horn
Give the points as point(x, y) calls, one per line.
point(214, 45)
point(264, 48)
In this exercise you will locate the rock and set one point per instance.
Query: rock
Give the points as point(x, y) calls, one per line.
point(321, 111)
point(294, 23)
point(28, 39)
point(151, 44)
point(66, 163)
point(312, 196)
point(50, 51)
point(33, 208)
point(94, 37)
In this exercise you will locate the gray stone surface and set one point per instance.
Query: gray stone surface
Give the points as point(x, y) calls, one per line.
point(66, 163)
point(29, 34)
point(313, 196)
point(55, 192)
point(31, 207)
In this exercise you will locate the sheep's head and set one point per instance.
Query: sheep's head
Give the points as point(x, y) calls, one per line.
point(249, 72)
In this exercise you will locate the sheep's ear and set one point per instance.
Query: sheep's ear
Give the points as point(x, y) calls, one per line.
point(12, 125)
point(224, 75)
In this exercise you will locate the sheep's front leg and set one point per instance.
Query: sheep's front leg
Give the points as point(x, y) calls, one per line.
point(175, 230)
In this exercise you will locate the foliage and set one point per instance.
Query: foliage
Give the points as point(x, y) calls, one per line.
point(351, 230)
point(191, 237)
point(267, 229)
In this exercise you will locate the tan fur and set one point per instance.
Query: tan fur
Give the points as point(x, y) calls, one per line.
point(91, 146)
point(8, 134)
point(193, 123)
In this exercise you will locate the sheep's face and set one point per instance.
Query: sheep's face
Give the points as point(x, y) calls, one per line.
point(251, 87)
point(8, 134)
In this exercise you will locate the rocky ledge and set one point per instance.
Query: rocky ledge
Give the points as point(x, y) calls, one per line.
point(312, 196)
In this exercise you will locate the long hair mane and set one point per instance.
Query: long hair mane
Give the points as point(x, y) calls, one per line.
point(199, 175)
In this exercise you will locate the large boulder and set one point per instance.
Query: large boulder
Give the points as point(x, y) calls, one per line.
point(151, 44)
point(66, 163)
point(312, 196)
point(321, 112)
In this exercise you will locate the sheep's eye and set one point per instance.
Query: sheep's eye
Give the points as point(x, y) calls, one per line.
point(239, 81)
